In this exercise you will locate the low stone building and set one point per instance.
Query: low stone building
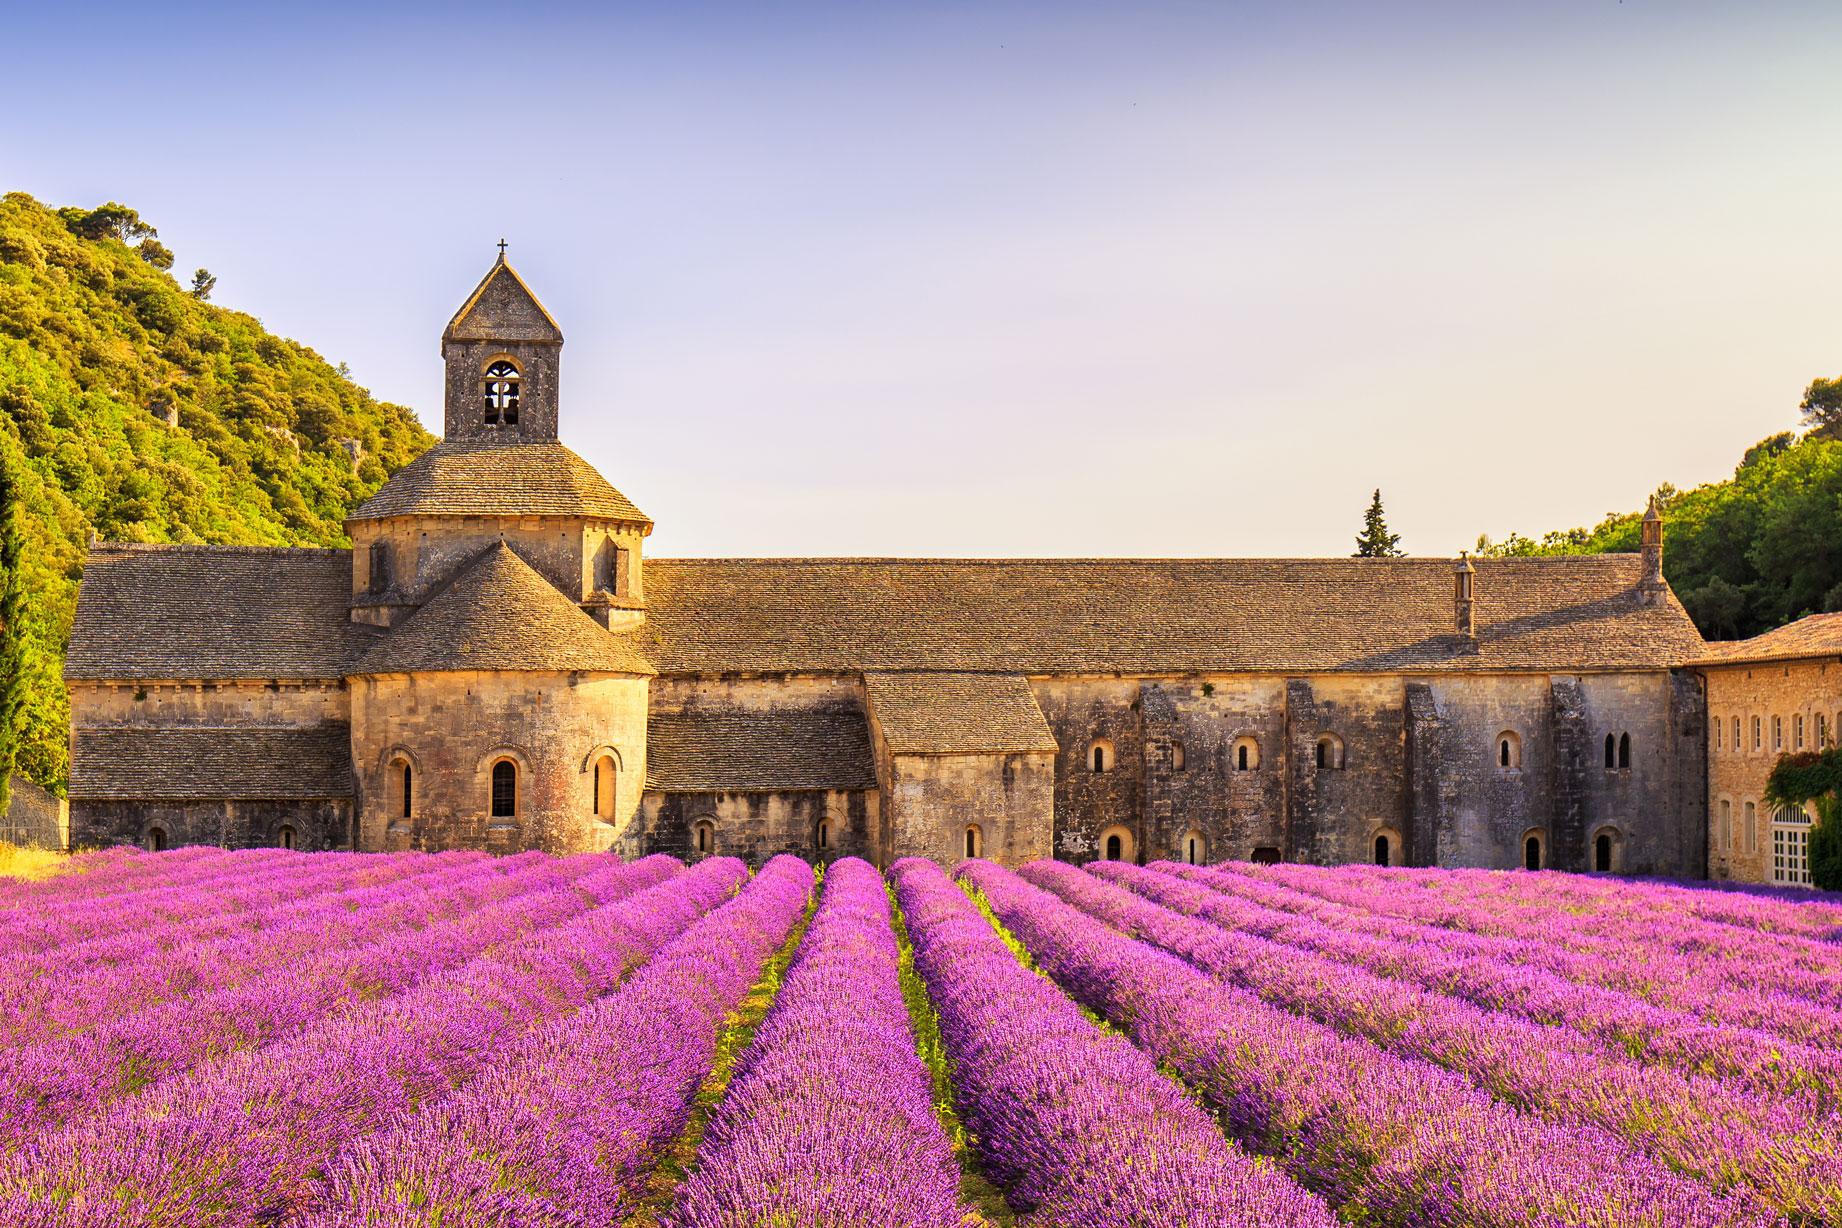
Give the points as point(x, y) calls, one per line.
point(1778, 693)
point(493, 665)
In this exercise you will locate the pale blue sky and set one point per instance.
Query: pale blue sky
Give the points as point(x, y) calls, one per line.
point(1008, 278)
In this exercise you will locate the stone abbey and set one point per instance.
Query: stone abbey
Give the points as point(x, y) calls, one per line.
point(495, 664)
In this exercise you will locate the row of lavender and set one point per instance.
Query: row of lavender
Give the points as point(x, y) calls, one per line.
point(468, 1041)
point(1351, 1047)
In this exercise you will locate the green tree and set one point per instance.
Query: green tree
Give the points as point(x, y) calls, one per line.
point(1375, 542)
point(203, 283)
point(110, 221)
point(134, 410)
point(155, 253)
point(1822, 406)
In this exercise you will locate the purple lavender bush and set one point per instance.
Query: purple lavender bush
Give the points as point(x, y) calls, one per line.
point(829, 1121)
point(1077, 1126)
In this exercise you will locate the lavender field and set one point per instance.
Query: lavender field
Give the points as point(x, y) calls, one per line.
point(263, 1037)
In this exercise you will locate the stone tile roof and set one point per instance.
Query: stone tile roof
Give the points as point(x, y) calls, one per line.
point(147, 612)
point(1818, 635)
point(483, 477)
point(1050, 616)
point(211, 763)
point(743, 750)
point(499, 614)
point(502, 308)
point(957, 714)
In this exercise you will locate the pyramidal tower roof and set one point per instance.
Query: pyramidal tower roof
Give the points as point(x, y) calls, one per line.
point(503, 308)
point(499, 614)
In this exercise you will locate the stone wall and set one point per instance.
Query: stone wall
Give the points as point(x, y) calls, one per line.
point(450, 728)
point(35, 818)
point(756, 825)
point(311, 826)
point(935, 799)
point(1413, 760)
point(229, 702)
point(1784, 692)
point(575, 554)
point(538, 393)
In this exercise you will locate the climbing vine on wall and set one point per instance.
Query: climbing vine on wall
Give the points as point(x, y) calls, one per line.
point(1814, 776)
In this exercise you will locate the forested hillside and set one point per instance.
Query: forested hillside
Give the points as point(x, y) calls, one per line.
point(1749, 553)
point(133, 409)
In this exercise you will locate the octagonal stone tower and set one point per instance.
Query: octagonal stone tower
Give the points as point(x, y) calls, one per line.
point(499, 474)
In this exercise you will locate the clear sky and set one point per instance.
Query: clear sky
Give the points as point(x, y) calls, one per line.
point(1002, 278)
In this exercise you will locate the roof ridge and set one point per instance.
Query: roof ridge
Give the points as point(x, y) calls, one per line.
point(1113, 560)
point(211, 548)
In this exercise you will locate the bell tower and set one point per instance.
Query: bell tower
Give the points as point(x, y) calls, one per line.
point(502, 351)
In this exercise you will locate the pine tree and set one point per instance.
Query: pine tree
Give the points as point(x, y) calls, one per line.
point(1375, 542)
point(12, 641)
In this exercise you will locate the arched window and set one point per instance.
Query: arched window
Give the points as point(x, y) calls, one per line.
point(409, 792)
point(1751, 810)
point(1723, 834)
point(1602, 852)
point(975, 841)
point(1382, 851)
point(823, 835)
point(1116, 844)
point(1177, 761)
point(1720, 724)
point(1534, 850)
point(499, 388)
point(1100, 756)
point(1822, 731)
point(1195, 848)
point(284, 836)
point(504, 789)
point(1758, 742)
point(1624, 750)
point(1797, 731)
point(1385, 846)
point(1244, 754)
point(1611, 750)
point(606, 776)
point(1735, 747)
point(1778, 733)
point(156, 839)
point(1330, 752)
point(703, 837)
point(1509, 751)
point(1791, 846)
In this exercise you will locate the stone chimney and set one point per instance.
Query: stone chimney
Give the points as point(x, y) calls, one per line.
point(1650, 588)
point(1462, 615)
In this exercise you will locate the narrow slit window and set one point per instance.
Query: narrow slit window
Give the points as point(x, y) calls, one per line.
point(504, 789)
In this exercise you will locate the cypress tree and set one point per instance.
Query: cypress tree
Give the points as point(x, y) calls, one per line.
point(1375, 542)
point(12, 645)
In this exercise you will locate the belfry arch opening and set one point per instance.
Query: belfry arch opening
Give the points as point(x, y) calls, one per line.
point(501, 387)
